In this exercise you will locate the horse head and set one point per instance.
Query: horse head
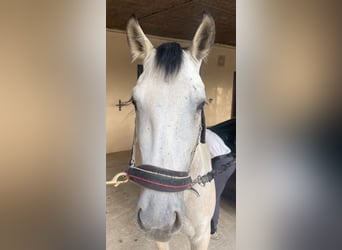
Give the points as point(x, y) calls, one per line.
point(169, 97)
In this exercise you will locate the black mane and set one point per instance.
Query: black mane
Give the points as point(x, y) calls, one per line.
point(169, 58)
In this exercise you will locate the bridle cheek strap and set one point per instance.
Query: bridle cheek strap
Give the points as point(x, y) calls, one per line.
point(203, 127)
point(159, 179)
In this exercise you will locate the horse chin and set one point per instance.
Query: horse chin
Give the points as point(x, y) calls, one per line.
point(159, 235)
point(163, 235)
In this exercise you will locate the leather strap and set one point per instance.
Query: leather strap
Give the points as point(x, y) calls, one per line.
point(203, 127)
point(159, 179)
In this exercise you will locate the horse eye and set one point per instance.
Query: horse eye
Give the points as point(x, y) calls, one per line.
point(200, 106)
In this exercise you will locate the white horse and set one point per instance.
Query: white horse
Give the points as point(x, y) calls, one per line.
point(169, 98)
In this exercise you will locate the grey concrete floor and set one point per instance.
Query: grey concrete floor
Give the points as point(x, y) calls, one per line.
point(123, 231)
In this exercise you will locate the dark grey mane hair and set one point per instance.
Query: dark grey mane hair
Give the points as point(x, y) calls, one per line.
point(169, 58)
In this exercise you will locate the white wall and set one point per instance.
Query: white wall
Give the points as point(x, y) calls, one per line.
point(121, 78)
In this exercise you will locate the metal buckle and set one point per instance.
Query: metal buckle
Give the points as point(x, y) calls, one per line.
point(116, 181)
point(199, 181)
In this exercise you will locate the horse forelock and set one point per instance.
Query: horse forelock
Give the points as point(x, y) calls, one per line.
point(169, 58)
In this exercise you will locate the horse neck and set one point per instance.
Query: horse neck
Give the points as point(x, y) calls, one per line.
point(201, 163)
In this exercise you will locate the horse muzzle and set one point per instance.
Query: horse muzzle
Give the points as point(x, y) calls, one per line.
point(162, 229)
point(160, 214)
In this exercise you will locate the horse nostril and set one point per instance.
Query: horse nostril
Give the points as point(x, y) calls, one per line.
point(170, 227)
point(139, 219)
point(177, 224)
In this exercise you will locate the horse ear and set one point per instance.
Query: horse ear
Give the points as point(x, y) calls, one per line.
point(138, 42)
point(204, 38)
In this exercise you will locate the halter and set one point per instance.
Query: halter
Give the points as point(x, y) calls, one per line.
point(161, 179)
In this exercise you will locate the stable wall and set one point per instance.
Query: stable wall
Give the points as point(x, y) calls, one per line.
point(122, 75)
